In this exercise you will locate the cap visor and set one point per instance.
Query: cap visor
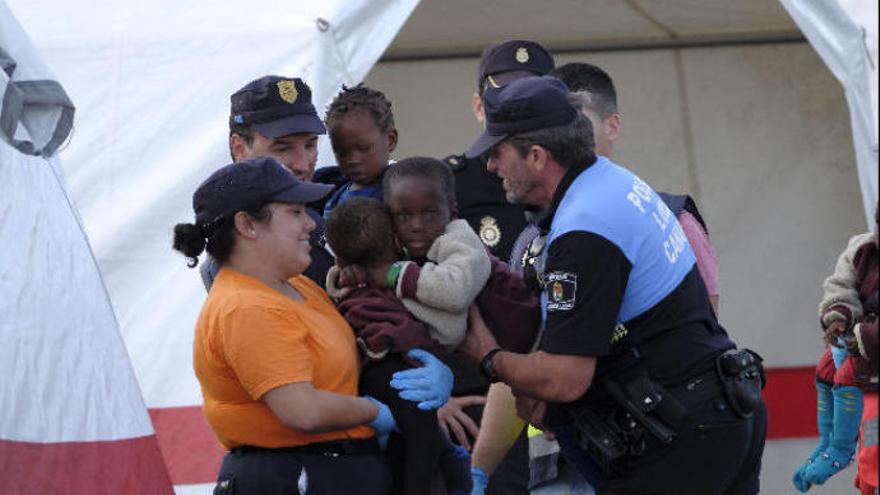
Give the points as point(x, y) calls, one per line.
point(303, 192)
point(294, 124)
point(483, 144)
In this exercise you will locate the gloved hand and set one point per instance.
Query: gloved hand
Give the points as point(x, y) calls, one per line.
point(429, 385)
point(384, 422)
point(480, 480)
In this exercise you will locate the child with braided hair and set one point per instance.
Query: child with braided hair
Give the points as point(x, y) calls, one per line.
point(363, 136)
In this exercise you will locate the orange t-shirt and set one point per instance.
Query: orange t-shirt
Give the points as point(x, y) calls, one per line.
point(250, 339)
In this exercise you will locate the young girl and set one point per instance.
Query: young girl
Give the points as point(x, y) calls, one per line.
point(362, 133)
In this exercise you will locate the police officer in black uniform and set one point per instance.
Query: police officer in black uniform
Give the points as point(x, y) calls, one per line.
point(633, 374)
point(479, 194)
point(481, 201)
point(274, 116)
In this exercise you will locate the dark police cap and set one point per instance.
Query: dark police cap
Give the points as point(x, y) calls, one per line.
point(276, 106)
point(247, 185)
point(524, 105)
point(517, 57)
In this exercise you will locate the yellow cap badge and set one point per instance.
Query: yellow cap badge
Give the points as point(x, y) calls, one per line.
point(287, 91)
point(490, 234)
point(522, 55)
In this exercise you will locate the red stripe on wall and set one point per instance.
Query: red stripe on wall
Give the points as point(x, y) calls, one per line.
point(78, 468)
point(791, 402)
point(193, 454)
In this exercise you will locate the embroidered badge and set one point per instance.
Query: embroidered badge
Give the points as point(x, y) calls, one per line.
point(561, 288)
point(522, 55)
point(287, 90)
point(490, 233)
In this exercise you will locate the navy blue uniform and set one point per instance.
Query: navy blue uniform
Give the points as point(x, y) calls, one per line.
point(620, 283)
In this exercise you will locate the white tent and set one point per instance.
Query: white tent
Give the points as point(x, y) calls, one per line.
point(151, 82)
point(71, 412)
point(152, 95)
point(844, 33)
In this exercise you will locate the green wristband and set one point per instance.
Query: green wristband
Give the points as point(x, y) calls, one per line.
point(393, 274)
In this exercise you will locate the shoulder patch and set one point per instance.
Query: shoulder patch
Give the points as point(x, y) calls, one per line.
point(561, 288)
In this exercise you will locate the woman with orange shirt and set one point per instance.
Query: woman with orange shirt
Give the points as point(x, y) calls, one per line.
point(277, 364)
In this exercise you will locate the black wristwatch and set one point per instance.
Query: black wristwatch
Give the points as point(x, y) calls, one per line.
point(487, 367)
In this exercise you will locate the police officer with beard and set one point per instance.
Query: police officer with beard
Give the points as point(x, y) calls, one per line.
point(633, 372)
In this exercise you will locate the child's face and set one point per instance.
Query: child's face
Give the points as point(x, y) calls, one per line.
point(361, 147)
point(420, 212)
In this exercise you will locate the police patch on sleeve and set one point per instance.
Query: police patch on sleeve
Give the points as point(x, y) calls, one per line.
point(561, 288)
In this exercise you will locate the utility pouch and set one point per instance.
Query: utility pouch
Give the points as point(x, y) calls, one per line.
point(650, 405)
point(599, 437)
point(742, 379)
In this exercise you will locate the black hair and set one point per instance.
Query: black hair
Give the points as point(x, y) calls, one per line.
point(425, 167)
point(360, 232)
point(582, 77)
point(247, 135)
point(190, 240)
point(360, 96)
point(571, 144)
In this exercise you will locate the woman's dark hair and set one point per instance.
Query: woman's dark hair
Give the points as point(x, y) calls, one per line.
point(430, 169)
point(191, 240)
point(360, 232)
point(360, 96)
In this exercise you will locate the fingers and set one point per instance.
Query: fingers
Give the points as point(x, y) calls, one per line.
point(469, 425)
point(419, 355)
point(469, 400)
point(459, 433)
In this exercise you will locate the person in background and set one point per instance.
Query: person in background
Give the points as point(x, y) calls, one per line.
point(274, 116)
point(276, 362)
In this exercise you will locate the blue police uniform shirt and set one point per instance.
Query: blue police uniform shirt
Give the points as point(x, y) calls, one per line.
point(618, 271)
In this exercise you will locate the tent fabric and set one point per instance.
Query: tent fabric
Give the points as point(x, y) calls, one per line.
point(35, 113)
point(72, 419)
point(152, 96)
point(844, 34)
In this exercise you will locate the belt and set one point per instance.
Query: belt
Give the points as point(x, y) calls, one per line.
point(704, 385)
point(332, 448)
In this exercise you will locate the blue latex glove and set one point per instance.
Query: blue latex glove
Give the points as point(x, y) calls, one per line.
point(480, 480)
point(429, 385)
point(384, 422)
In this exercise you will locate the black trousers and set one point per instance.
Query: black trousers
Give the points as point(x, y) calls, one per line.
point(414, 459)
point(255, 471)
point(715, 453)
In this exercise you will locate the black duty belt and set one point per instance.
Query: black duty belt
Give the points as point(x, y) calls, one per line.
point(332, 448)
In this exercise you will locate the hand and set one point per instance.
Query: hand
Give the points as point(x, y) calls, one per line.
point(383, 423)
point(352, 276)
point(479, 340)
point(531, 410)
point(834, 330)
point(453, 418)
point(852, 343)
point(480, 481)
point(429, 385)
